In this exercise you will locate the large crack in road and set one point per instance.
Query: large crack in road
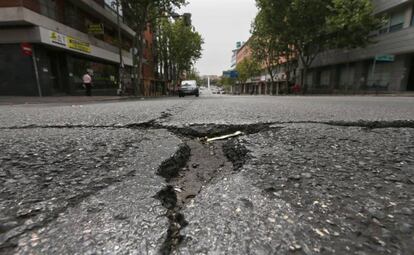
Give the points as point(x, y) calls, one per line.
point(198, 163)
point(195, 165)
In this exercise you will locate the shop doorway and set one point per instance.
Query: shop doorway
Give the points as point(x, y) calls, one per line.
point(58, 67)
point(410, 85)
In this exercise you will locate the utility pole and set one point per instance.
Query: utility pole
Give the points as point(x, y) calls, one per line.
point(39, 89)
point(121, 62)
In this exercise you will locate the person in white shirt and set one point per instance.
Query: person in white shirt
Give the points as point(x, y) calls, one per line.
point(87, 83)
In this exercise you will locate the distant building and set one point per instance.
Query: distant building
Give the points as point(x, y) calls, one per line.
point(150, 86)
point(67, 38)
point(387, 65)
point(234, 55)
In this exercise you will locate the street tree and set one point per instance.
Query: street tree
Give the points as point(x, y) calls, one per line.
point(227, 82)
point(193, 74)
point(246, 69)
point(185, 47)
point(270, 49)
point(138, 14)
point(313, 26)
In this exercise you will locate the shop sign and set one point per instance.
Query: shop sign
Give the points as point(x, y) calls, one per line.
point(57, 38)
point(385, 58)
point(26, 49)
point(69, 42)
point(76, 44)
point(96, 29)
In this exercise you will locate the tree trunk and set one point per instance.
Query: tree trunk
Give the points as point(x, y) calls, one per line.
point(304, 78)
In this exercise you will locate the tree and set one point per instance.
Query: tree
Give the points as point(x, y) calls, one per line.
point(247, 68)
point(138, 14)
point(227, 82)
point(269, 49)
point(313, 26)
point(195, 75)
point(185, 47)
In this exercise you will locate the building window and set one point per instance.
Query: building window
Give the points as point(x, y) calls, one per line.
point(48, 8)
point(397, 22)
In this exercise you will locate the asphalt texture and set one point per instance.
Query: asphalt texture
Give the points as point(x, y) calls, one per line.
point(309, 175)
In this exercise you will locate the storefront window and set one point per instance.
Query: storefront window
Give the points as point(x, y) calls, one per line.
point(104, 75)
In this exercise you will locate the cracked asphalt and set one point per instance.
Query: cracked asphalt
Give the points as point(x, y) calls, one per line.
point(310, 175)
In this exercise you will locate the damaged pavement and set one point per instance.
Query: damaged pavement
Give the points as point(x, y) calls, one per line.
point(154, 184)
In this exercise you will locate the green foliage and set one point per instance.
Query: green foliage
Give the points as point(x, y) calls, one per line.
point(267, 47)
point(313, 26)
point(137, 13)
point(247, 68)
point(179, 45)
point(195, 75)
point(227, 82)
point(185, 45)
point(351, 23)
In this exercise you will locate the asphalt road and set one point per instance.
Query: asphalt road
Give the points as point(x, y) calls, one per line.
point(309, 175)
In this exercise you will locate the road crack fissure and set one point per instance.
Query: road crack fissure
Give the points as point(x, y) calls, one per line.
point(212, 129)
point(195, 165)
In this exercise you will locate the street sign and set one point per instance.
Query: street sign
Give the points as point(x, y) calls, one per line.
point(226, 74)
point(26, 49)
point(231, 74)
point(96, 29)
point(385, 58)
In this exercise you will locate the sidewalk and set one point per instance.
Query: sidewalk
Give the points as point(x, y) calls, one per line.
point(15, 100)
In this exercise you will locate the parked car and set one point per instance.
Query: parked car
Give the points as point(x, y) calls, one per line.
point(188, 88)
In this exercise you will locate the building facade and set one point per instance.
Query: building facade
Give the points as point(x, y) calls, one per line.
point(47, 45)
point(387, 65)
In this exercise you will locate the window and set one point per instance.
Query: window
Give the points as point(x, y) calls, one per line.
point(397, 21)
point(48, 8)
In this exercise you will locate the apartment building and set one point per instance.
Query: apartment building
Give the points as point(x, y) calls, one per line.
point(47, 45)
point(387, 65)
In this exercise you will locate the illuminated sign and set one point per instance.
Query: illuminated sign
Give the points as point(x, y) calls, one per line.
point(76, 44)
point(69, 42)
point(96, 29)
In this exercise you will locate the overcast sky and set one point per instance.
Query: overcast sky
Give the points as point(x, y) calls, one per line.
point(221, 23)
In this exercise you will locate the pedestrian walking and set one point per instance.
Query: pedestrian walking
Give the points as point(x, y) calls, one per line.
point(87, 83)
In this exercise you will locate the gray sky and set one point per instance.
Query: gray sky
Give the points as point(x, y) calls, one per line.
point(221, 23)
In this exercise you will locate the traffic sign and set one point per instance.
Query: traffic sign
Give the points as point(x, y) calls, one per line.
point(231, 74)
point(27, 49)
